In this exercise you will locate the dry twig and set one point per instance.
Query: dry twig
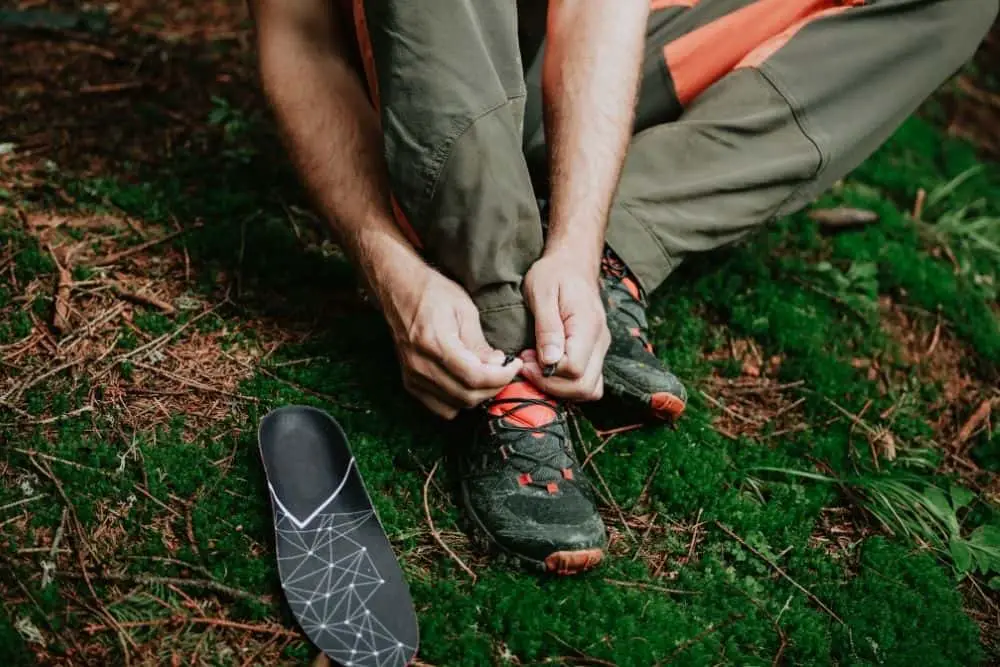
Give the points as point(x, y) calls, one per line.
point(777, 568)
point(434, 531)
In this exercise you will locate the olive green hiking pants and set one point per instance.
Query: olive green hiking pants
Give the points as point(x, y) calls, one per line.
point(747, 110)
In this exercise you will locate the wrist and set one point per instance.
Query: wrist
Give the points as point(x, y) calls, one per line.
point(385, 259)
point(582, 253)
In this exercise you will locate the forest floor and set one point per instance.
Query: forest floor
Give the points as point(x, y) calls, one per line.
point(831, 495)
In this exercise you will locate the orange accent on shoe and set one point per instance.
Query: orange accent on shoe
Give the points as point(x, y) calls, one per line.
point(573, 562)
point(528, 415)
point(567, 473)
point(632, 288)
point(552, 488)
point(538, 434)
point(649, 348)
point(524, 479)
point(635, 332)
point(666, 406)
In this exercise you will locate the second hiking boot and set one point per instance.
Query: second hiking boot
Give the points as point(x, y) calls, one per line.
point(638, 387)
point(522, 487)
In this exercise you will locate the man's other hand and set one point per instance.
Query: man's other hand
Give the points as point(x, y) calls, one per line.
point(571, 328)
point(447, 363)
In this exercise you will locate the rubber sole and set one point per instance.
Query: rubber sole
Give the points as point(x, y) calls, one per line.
point(666, 406)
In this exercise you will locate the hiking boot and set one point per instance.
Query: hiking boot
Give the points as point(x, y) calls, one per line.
point(638, 387)
point(522, 487)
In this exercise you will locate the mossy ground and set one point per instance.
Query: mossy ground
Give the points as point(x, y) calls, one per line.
point(129, 436)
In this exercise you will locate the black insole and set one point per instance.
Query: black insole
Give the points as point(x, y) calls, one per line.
point(337, 568)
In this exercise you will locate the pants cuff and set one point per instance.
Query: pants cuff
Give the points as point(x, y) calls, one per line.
point(639, 248)
point(507, 326)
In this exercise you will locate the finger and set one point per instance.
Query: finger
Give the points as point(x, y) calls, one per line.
point(585, 337)
point(550, 338)
point(588, 387)
point(454, 390)
point(495, 358)
point(466, 368)
point(465, 401)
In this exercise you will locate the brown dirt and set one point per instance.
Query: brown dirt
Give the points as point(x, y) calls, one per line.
point(193, 373)
point(756, 400)
point(91, 102)
point(931, 353)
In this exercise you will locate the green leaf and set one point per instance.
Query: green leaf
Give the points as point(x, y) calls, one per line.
point(938, 505)
point(994, 583)
point(986, 536)
point(941, 192)
point(961, 496)
point(961, 555)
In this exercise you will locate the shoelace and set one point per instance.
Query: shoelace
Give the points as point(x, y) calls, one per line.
point(615, 268)
point(538, 460)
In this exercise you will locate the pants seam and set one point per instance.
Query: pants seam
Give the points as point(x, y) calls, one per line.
point(442, 156)
point(799, 115)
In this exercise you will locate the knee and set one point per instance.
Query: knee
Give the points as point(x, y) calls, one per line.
point(973, 19)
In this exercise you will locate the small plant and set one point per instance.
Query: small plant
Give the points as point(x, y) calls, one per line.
point(968, 229)
point(914, 508)
point(236, 126)
point(857, 286)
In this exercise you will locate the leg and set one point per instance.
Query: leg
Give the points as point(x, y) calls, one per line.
point(797, 101)
point(448, 82)
point(447, 78)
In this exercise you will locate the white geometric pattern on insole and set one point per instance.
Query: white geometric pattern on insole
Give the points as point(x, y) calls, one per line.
point(322, 506)
point(334, 613)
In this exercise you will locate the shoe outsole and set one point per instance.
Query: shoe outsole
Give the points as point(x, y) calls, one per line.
point(565, 563)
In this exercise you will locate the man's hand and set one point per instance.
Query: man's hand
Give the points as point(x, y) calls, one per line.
point(447, 363)
point(571, 329)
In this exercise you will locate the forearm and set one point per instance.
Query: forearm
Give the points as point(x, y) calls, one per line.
point(589, 82)
point(332, 134)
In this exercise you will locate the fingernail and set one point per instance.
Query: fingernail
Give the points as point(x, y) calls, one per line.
point(551, 353)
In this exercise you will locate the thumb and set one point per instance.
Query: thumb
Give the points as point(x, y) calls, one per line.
point(550, 337)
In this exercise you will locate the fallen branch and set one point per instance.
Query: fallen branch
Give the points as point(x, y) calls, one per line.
point(270, 629)
point(653, 587)
point(194, 384)
point(128, 252)
point(981, 414)
point(143, 299)
point(50, 420)
point(145, 580)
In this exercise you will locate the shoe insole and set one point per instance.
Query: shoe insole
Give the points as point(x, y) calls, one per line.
point(337, 568)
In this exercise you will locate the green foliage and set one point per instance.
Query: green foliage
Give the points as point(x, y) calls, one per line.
point(800, 294)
